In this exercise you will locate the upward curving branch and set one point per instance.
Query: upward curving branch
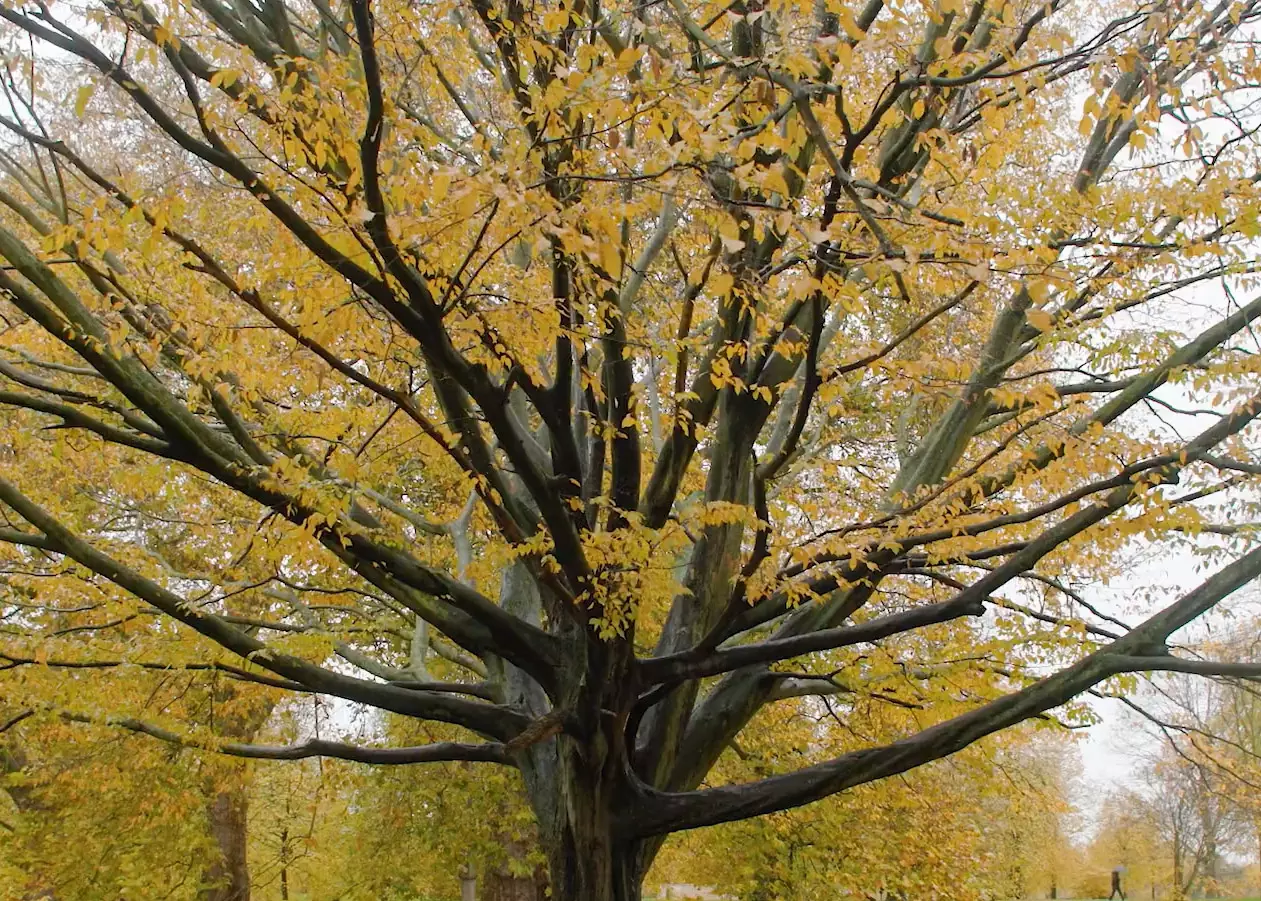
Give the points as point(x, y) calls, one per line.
point(689, 810)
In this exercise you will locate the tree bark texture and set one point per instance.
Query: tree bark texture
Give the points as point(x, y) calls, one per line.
point(227, 878)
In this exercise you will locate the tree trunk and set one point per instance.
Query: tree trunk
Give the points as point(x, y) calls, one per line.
point(1179, 889)
point(575, 806)
point(577, 784)
point(284, 865)
point(228, 876)
point(589, 868)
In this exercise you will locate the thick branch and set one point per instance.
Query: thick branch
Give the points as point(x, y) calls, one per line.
point(691, 665)
point(664, 812)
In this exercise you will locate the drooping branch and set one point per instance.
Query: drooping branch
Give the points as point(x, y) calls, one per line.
point(493, 720)
point(438, 752)
point(1171, 664)
point(10, 659)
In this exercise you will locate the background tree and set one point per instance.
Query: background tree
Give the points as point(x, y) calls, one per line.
point(1131, 834)
point(600, 380)
point(1232, 745)
point(139, 817)
point(425, 826)
point(1202, 790)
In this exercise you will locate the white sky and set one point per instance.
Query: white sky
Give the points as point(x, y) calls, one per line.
point(1115, 751)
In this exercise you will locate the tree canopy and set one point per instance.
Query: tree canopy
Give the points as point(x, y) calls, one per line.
point(597, 382)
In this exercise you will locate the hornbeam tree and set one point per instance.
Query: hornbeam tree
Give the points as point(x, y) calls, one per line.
point(592, 379)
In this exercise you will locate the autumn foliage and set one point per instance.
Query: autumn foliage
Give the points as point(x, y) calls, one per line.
point(603, 387)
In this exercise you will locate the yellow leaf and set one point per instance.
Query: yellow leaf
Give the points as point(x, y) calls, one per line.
point(610, 259)
point(776, 182)
point(721, 284)
point(81, 98)
point(466, 204)
point(1040, 319)
point(440, 185)
point(850, 25)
